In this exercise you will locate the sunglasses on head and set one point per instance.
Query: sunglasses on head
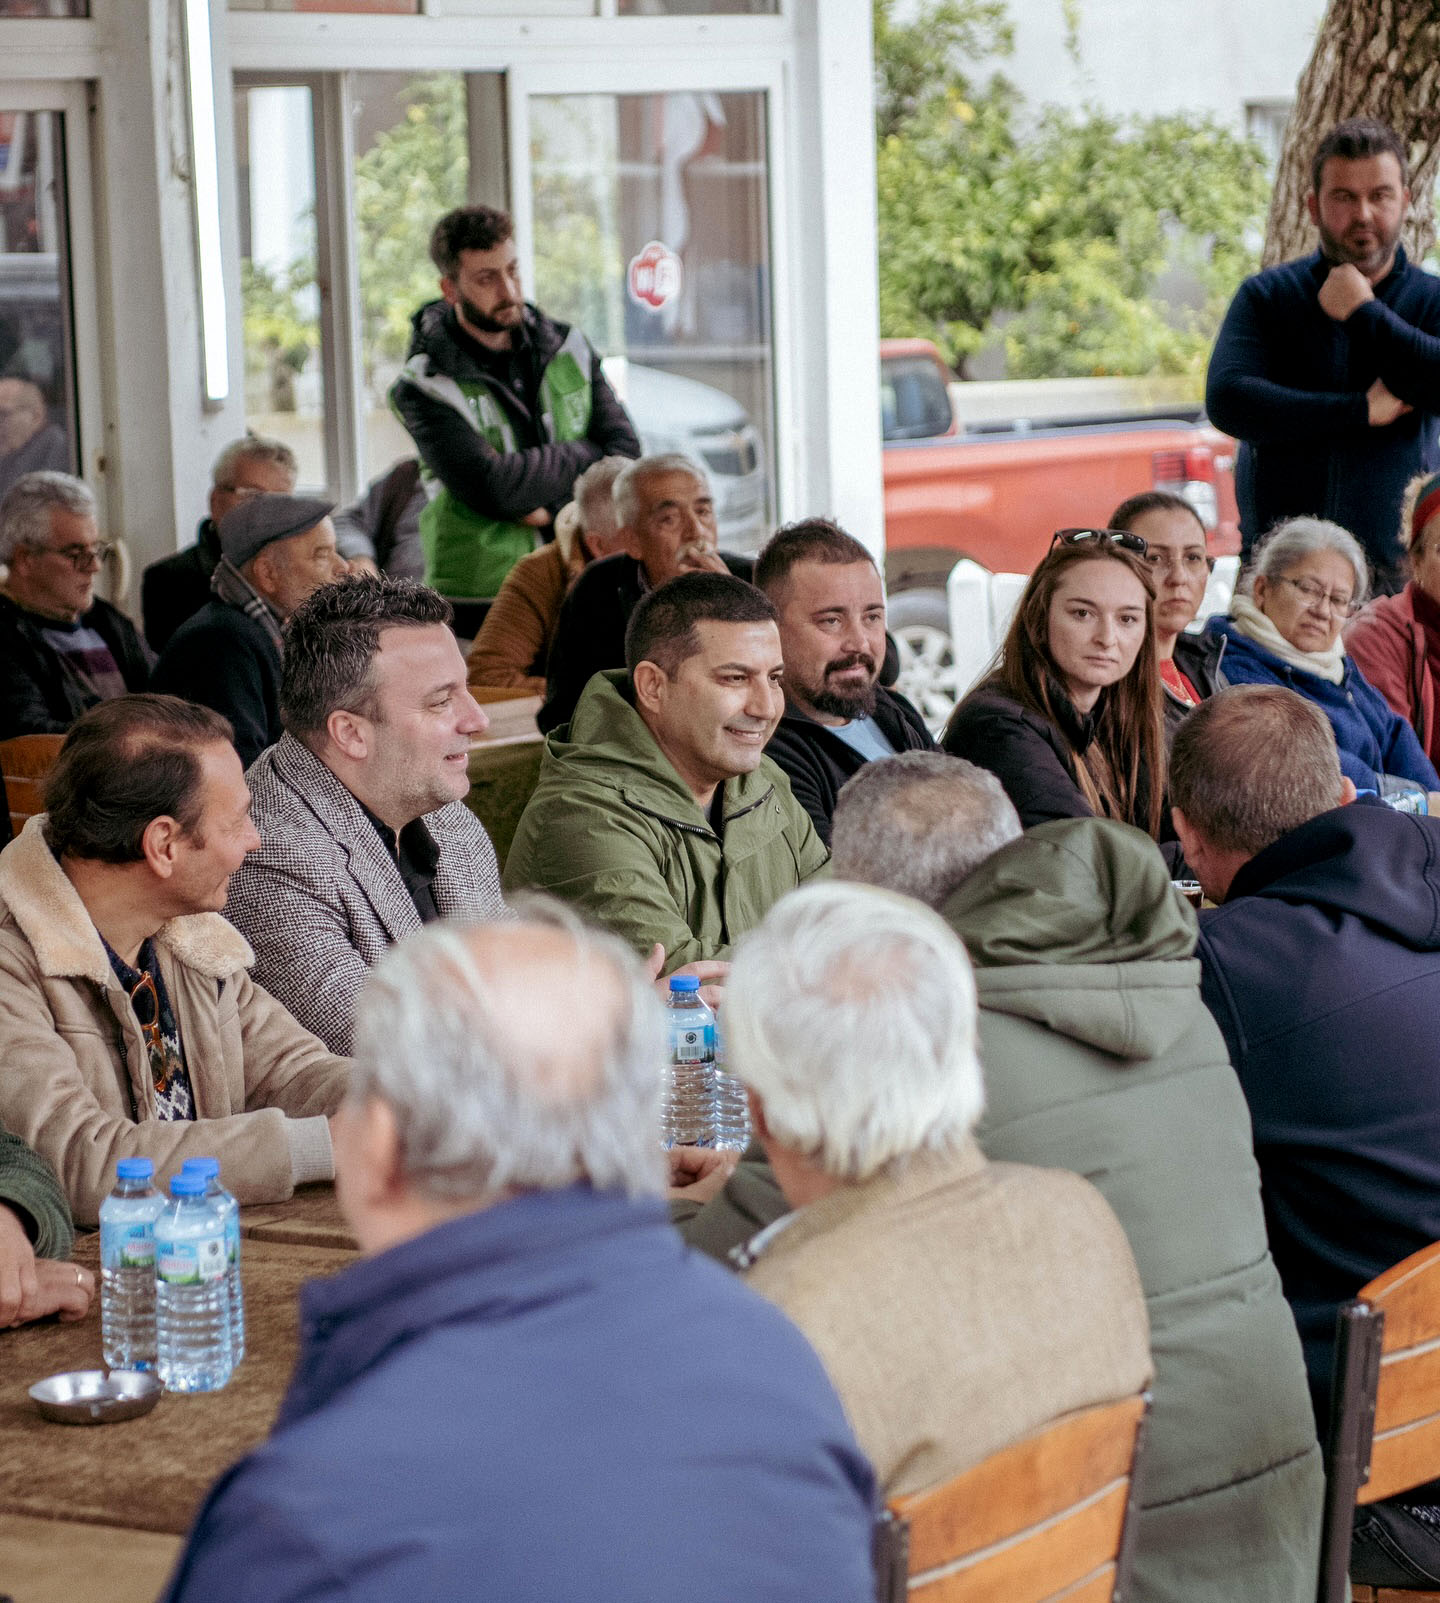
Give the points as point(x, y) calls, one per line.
point(1121, 537)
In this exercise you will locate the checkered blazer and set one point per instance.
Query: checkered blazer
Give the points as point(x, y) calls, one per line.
point(322, 899)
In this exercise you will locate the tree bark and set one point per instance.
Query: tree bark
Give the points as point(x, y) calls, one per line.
point(1372, 58)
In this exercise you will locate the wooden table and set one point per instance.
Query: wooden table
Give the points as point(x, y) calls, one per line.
point(69, 1493)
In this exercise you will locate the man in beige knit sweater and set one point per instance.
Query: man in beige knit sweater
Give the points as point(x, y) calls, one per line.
point(957, 1304)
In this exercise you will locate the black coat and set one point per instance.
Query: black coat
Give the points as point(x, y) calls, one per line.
point(1199, 658)
point(590, 632)
point(817, 762)
point(38, 695)
point(224, 659)
point(1322, 969)
point(175, 588)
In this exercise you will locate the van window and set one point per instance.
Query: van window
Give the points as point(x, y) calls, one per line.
point(914, 403)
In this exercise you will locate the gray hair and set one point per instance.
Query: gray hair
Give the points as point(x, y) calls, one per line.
point(594, 489)
point(251, 448)
point(25, 511)
point(920, 824)
point(634, 474)
point(1292, 541)
point(851, 1015)
point(479, 1107)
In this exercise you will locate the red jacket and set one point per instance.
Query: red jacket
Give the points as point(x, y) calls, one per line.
point(1387, 643)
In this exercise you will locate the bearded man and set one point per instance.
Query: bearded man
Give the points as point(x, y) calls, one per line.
point(1327, 369)
point(830, 603)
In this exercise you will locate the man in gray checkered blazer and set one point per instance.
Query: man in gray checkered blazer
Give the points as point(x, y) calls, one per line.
point(360, 803)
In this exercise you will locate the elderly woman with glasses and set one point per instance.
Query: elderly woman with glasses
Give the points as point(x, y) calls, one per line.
point(1069, 722)
point(1284, 628)
point(1395, 641)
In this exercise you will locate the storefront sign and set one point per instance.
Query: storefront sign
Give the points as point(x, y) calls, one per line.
point(654, 276)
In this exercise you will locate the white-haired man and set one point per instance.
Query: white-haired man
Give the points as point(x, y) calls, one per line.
point(529, 1386)
point(666, 516)
point(62, 649)
point(958, 1305)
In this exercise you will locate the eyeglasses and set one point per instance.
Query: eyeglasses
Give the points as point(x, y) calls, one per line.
point(1189, 563)
point(242, 492)
point(160, 1068)
point(1316, 594)
point(83, 558)
point(1121, 537)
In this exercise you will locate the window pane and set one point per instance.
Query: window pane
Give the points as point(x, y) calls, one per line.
point(284, 380)
point(699, 8)
point(44, 8)
point(412, 164)
point(37, 390)
point(651, 232)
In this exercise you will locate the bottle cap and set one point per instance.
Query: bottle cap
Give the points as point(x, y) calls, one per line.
point(684, 982)
point(134, 1169)
point(187, 1185)
point(208, 1167)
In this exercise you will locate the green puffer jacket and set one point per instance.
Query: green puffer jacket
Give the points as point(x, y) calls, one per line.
point(612, 828)
point(1101, 1058)
point(28, 1185)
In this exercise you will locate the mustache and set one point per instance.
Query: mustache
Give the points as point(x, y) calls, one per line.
point(857, 659)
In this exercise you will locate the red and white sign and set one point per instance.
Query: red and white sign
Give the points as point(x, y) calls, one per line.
point(654, 276)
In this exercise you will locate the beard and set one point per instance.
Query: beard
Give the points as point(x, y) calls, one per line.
point(845, 703)
point(488, 324)
point(1334, 249)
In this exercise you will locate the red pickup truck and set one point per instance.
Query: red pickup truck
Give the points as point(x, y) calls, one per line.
point(996, 492)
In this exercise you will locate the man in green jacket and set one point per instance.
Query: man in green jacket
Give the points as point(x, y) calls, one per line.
point(656, 810)
point(35, 1235)
point(506, 406)
point(1100, 1057)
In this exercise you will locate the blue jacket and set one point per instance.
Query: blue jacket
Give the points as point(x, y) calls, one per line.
point(1323, 972)
point(1373, 738)
point(548, 1400)
point(1290, 382)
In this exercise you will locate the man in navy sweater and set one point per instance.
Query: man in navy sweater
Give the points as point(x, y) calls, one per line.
point(1327, 369)
point(1322, 969)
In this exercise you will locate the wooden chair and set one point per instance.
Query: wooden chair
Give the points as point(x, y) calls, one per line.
point(1048, 1517)
point(25, 761)
point(1384, 1411)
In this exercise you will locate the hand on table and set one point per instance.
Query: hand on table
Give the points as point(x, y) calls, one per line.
point(1384, 407)
point(1345, 289)
point(32, 1288)
point(699, 1173)
point(711, 972)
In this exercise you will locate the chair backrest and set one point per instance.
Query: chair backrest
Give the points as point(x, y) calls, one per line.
point(25, 761)
point(1384, 1404)
point(1046, 1516)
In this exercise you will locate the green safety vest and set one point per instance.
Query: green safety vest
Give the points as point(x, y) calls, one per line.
point(467, 555)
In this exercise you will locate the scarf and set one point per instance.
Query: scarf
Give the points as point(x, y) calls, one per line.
point(235, 590)
point(1254, 625)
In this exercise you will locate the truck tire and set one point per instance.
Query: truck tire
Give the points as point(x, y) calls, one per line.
point(919, 620)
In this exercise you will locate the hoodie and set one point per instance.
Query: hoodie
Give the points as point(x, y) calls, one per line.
point(1323, 972)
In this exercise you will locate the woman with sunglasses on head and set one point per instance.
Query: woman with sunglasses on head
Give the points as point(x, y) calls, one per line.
point(1395, 640)
point(1069, 722)
point(1284, 627)
point(1190, 665)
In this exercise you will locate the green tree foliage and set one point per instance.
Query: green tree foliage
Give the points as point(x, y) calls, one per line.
point(1060, 234)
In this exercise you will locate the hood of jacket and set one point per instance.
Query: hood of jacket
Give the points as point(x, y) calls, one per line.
point(432, 334)
point(53, 919)
point(607, 743)
point(1365, 860)
point(1240, 648)
point(1076, 926)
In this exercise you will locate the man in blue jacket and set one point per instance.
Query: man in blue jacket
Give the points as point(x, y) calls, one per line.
point(529, 1389)
point(1327, 368)
point(1322, 968)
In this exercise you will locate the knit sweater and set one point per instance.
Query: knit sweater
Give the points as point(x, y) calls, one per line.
point(28, 1186)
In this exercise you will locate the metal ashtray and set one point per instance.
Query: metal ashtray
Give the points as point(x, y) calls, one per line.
point(96, 1396)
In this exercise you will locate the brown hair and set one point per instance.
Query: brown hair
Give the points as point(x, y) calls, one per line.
point(1353, 140)
point(1252, 763)
point(813, 540)
point(1122, 773)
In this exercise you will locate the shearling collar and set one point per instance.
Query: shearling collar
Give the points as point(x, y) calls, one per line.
point(66, 943)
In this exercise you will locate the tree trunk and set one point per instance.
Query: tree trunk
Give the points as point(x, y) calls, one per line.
point(1372, 58)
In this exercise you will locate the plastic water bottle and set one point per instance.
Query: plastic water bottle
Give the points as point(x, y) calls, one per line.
point(192, 1296)
point(687, 1111)
point(209, 1168)
point(127, 1266)
point(732, 1107)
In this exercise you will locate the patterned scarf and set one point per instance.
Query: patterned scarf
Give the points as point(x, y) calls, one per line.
point(232, 587)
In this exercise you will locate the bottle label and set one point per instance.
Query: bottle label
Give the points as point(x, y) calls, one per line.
point(693, 1045)
point(193, 1262)
point(127, 1246)
point(232, 1238)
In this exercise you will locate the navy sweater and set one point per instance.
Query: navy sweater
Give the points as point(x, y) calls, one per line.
point(1290, 382)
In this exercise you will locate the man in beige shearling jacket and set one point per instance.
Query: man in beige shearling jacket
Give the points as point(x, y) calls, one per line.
point(129, 1025)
